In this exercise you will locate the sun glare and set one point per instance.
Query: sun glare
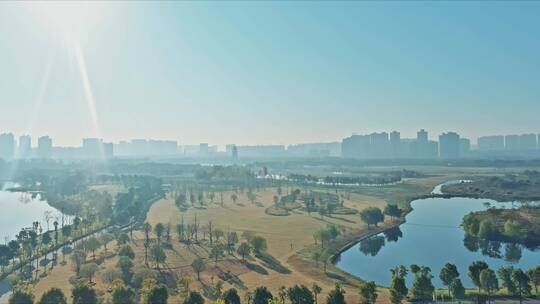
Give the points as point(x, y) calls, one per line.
point(70, 19)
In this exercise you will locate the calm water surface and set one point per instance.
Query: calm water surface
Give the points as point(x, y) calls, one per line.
point(18, 210)
point(432, 236)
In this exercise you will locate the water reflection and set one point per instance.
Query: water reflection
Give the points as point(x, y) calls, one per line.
point(371, 246)
point(492, 249)
point(393, 234)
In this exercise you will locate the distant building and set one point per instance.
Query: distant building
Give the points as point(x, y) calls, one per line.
point(261, 151)
point(25, 147)
point(234, 153)
point(464, 147)
point(527, 142)
point(315, 149)
point(44, 147)
point(7, 146)
point(449, 145)
point(511, 142)
point(95, 148)
point(422, 136)
point(356, 146)
point(424, 148)
point(395, 143)
point(204, 149)
point(491, 143)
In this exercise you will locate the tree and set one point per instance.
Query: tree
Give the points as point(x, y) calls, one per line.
point(300, 295)
point(158, 255)
point(122, 238)
point(534, 276)
point(261, 295)
point(231, 296)
point(124, 295)
point(194, 298)
point(126, 251)
point(488, 282)
point(336, 295)
point(372, 216)
point(243, 250)
point(422, 288)
point(448, 274)
point(368, 293)
point(487, 230)
point(398, 289)
point(147, 228)
point(232, 239)
point(521, 281)
point(505, 275)
point(218, 234)
point(125, 264)
point(158, 230)
point(316, 289)
point(82, 294)
point(5, 256)
point(258, 243)
point(158, 295)
point(92, 244)
point(392, 211)
point(53, 296)
point(88, 271)
point(104, 239)
point(78, 258)
point(216, 252)
point(456, 289)
point(512, 229)
point(474, 272)
point(198, 266)
point(21, 296)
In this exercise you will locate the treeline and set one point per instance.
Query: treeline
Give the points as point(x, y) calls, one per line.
point(505, 225)
point(371, 179)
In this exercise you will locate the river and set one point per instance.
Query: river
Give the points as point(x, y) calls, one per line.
point(432, 237)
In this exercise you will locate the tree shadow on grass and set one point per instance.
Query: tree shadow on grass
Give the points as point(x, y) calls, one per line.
point(272, 263)
point(257, 268)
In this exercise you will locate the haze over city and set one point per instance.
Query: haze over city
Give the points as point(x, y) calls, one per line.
point(269, 152)
point(267, 72)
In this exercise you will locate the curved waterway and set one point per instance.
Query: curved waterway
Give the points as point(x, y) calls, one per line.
point(432, 237)
point(19, 209)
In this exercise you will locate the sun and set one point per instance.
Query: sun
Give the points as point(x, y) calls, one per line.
point(70, 19)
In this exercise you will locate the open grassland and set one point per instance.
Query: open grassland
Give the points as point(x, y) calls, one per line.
point(288, 259)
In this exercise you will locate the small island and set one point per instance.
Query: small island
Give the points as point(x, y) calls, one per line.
point(521, 225)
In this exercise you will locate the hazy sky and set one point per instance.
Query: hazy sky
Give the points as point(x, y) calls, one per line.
point(268, 72)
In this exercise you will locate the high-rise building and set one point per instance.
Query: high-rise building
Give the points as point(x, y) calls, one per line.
point(44, 147)
point(449, 145)
point(511, 142)
point(356, 146)
point(234, 153)
point(95, 148)
point(7, 146)
point(422, 136)
point(464, 147)
point(25, 146)
point(395, 143)
point(204, 149)
point(491, 143)
point(527, 142)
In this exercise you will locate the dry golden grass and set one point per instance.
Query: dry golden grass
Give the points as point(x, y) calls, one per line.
point(285, 235)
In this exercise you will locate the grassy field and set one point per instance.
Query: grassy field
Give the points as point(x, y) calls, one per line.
point(290, 242)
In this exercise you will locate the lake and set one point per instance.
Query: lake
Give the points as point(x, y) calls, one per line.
point(19, 210)
point(432, 237)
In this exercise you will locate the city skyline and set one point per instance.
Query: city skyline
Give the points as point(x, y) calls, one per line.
point(219, 72)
